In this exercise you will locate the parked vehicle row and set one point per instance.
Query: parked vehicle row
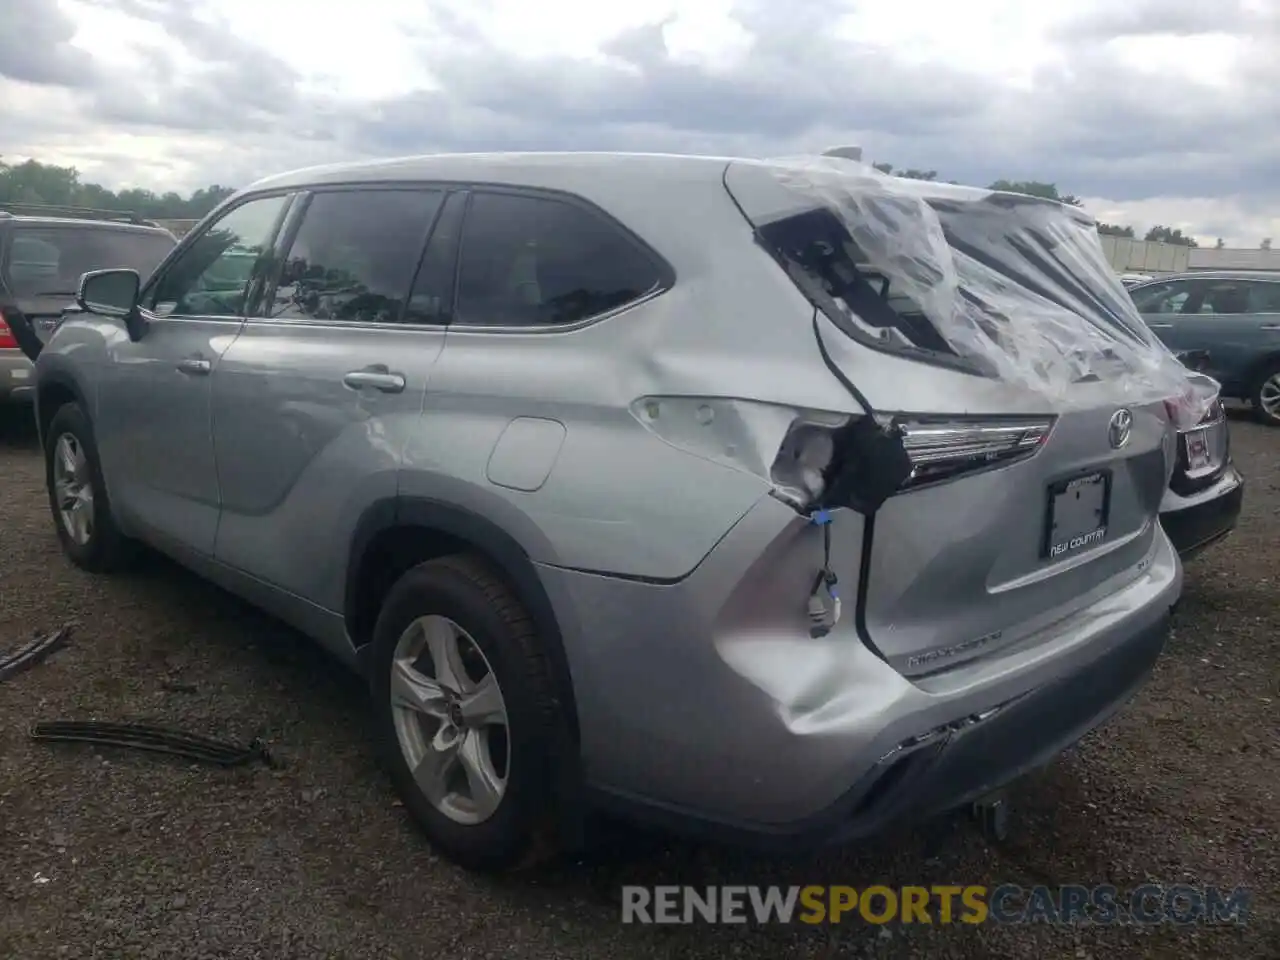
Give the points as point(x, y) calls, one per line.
point(626, 486)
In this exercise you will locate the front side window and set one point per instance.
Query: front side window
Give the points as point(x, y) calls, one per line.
point(1225, 297)
point(48, 261)
point(1163, 298)
point(354, 256)
point(535, 261)
point(211, 277)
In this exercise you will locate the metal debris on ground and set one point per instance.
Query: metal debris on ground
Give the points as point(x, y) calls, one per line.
point(153, 739)
point(32, 652)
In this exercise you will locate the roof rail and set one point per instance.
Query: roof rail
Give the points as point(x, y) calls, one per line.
point(71, 212)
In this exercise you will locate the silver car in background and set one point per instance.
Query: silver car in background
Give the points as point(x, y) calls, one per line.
point(763, 500)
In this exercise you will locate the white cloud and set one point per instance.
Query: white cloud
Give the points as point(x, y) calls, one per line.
point(1238, 220)
point(1165, 110)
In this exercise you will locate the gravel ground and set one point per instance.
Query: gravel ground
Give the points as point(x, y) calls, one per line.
point(147, 857)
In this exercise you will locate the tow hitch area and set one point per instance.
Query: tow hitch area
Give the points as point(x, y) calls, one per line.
point(33, 652)
point(991, 813)
point(153, 739)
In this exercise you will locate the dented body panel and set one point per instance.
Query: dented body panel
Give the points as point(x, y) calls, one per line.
point(790, 531)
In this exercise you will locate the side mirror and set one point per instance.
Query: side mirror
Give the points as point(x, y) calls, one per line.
point(113, 293)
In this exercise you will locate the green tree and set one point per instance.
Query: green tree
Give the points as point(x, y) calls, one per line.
point(33, 182)
point(1163, 234)
point(909, 174)
point(1114, 230)
point(1035, 188)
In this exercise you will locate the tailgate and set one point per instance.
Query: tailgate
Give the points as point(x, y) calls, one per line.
point(1038, 411)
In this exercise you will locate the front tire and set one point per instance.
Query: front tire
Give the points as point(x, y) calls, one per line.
point(78, 496)
point(465, 713)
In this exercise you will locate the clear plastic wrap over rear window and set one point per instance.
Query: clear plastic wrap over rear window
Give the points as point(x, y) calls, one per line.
point(1016, 287)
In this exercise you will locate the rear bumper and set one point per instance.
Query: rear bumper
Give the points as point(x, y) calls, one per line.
point(704, 705)
point(1202, 519)
point(953, 768)
point(17, 377)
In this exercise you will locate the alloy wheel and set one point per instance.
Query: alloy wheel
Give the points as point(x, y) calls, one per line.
point(1269, 396)
point(450, 719)
point(73, 488)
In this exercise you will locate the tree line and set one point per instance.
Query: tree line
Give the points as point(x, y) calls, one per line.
point(32, 182)
point(1035, 188)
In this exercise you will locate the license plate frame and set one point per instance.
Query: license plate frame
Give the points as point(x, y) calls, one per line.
point(1196, 445)
point(1077, 512)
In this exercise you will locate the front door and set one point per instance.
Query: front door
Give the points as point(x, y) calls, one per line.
point(154, 399)
point(315, 400)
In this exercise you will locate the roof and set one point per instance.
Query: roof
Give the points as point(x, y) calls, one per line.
point(1221, 275)
point(597, 173)
point(545, 169)
point(115, 225)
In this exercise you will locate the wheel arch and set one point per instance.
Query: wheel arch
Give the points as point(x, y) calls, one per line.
point(396, 533)
point(55, 388)
point(1258, 367)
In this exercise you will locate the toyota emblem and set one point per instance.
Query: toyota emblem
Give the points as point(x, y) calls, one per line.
point(1120, 427)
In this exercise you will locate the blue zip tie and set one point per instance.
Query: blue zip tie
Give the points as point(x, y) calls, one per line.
point(820, 517)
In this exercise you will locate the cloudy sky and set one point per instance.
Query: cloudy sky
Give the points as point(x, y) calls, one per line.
point(1152, 110)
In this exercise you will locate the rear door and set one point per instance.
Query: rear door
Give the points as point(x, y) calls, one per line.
point(313, 402)
point(1022, 507)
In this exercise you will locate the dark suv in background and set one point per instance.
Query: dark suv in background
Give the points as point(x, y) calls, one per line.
point(43, 252)
point(1230, 320)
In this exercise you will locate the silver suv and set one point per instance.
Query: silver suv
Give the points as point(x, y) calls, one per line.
point(760, 499)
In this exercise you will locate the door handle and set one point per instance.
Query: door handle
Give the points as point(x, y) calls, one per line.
point(379, 378)
point(1160, 326)
point(1270, 326)
point(195, 366)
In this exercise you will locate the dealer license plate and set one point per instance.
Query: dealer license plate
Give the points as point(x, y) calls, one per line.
point(1076, 518)
point(1197, 450)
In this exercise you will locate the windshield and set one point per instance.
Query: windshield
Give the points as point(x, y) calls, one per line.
point(50, 260)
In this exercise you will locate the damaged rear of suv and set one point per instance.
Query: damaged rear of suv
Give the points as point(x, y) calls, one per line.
point(959, 569)
point(772, 498)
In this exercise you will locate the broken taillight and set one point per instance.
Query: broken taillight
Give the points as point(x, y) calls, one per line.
point(828, 459)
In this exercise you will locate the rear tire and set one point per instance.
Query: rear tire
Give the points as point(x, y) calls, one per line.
point(1265, 396)
point(482, 794)
point(78, 496)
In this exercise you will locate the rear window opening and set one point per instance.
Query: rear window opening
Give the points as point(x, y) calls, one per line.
point(1011, 256)
point(861, 300)
point(1001, 285)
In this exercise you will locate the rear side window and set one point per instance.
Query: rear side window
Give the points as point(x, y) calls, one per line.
point(1264, 296)
point(354, 256)
point(537, 261)
point(50, 260)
